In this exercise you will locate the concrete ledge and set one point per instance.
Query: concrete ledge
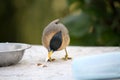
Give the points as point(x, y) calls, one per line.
point(34, 67)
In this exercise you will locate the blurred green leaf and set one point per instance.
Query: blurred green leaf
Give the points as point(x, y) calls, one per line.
point(71, 1)
point(110, 38)
point(78, 25)
point(95, 7)
point(98, 23)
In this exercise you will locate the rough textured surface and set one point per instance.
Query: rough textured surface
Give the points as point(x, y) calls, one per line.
point(34, 67)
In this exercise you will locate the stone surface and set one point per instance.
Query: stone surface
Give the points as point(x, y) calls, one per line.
point(34, 67)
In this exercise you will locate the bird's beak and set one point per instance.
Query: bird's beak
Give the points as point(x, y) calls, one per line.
point(49, 55)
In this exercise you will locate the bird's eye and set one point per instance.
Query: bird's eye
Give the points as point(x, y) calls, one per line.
point(57, 22)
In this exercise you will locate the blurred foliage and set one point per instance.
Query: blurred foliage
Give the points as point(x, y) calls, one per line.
point(94, 22)
point(90, 22)
point(24, 20)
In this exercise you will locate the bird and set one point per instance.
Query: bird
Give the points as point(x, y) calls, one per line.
point(55, 37)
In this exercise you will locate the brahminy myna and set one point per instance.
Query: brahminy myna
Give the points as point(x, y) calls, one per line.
point(55, 37)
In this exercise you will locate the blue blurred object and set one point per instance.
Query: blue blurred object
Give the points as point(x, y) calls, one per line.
point(100, 66)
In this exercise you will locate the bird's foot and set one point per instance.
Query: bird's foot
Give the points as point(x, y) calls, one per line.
point(66, 58)
point(50, 60)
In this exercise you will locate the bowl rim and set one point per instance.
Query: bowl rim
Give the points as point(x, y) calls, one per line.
point(22, 44)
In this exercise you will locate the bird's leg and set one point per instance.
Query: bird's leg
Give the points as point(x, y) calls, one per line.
point(66, 55)
point(49, 56)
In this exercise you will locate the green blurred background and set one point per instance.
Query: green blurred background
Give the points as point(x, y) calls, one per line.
point(90, 22)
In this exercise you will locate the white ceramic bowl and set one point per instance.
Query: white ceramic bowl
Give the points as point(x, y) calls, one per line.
point(104, 66)
point(11, 53)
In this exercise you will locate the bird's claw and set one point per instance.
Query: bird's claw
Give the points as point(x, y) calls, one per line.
point(50, 60)
point(67, 58)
